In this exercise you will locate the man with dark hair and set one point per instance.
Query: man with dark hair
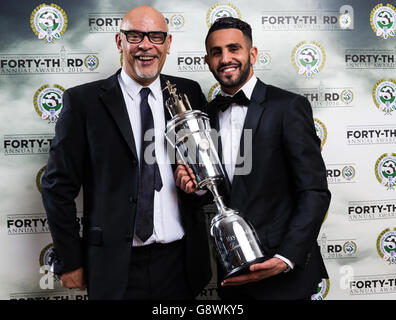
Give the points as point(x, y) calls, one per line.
point(142, 238)
point(284, 194)
point(231, 23)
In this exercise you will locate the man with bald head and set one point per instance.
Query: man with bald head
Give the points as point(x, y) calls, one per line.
point(142, 237)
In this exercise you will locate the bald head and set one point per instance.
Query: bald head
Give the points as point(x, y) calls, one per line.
point(143, 61)
point(143, 17)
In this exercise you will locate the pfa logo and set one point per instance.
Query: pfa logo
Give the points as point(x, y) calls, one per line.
point(322, 290)
point(385, 170)
point(321, 131)
point(48, 22)
point(45, 255)
point(384, 95)
point(47, 280)
point(263, 61)
point(48, 102)
point(91, 62)
point(264, 58)
point(214, 91)
point(219, 10)
point(349, 248)
point(383, 21)
point(347, 96)
point(345, 20)
point(177, 21)
point(386, 245)
point(308, 58)
point(348, 172)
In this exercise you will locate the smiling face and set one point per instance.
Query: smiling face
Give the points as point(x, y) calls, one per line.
point(143, 61)
point(230, 57)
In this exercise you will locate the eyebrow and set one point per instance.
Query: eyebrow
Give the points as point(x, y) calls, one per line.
point(230, 45)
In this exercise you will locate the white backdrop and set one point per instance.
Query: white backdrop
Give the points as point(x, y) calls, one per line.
point(340, 55)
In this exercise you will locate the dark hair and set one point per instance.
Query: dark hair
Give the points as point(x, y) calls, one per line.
point(231, 23)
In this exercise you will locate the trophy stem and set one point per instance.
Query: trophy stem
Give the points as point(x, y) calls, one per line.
point(218, 200)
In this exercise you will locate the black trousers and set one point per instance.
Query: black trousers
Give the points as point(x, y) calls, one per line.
point(157, 272)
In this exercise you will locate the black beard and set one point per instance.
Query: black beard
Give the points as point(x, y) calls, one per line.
point(237, 82)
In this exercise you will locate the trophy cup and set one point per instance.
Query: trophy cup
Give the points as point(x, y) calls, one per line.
point(234, 238)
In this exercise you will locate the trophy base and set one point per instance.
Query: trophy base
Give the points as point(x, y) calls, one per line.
point(244, 268)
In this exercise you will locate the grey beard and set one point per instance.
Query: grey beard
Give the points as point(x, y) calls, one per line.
point(143, 75)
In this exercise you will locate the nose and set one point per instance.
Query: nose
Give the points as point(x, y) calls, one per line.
point(226, 57)
point(145, 44)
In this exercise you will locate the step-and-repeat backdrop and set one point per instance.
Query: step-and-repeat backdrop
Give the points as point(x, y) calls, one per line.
point(339, 54)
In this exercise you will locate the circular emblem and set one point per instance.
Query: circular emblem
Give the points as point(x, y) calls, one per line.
point(219, 10)
point(347, 96)
point(348, 172)
point(345, 20)
point(39, 177)
point(48, 22)
point(214, 91)
point(386, 245)
point(177, 21)
point(308, 58)
point(384, 95)
point(91, 62)
point(385, 170)
point(45, 254)
point(204, 145)
point(383, 20)
point(264, 59)
point(321, 131)
point(322, 290)
point(48, 102)
point(349, 248)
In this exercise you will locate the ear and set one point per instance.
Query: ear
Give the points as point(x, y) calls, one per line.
point(118, 42)
point(206, 59)
point(169, 43)
point(253, 55)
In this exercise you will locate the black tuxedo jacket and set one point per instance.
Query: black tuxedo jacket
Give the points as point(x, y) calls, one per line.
point(94, 148)
point(285, 194)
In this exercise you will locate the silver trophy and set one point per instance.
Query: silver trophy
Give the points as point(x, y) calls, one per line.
point(188, 131)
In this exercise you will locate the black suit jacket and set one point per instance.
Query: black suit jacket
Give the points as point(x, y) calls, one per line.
point(285, 194)
point(94, 148)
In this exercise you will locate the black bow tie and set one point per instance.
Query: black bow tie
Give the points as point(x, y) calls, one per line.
point(222, 102)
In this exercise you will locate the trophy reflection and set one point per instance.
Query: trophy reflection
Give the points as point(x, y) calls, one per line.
point(234, 238)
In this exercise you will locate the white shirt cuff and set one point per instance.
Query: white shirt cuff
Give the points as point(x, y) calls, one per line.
point(287, 261)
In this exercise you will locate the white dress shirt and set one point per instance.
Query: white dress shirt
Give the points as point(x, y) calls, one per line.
point(231, 125)
point(167, 224)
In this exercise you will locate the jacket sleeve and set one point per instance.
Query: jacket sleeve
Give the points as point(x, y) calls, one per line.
point(308, 174)
point(61, 184)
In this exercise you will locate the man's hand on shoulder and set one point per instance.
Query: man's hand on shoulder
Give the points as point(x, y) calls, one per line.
point(73, 279)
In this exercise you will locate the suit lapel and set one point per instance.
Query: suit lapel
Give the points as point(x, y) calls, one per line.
point(252, 120)
point(113, 99)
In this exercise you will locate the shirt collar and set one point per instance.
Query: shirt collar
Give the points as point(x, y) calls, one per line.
point(247, 88)
point(133, 88)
